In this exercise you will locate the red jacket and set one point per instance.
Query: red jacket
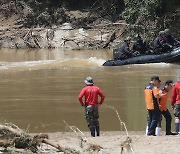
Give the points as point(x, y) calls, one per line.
point(175, 98)
point(91, 93)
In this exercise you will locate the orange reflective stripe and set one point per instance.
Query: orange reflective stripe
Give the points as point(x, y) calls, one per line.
point(149, 99)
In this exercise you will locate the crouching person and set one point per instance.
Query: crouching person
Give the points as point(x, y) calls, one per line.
point(90, 102)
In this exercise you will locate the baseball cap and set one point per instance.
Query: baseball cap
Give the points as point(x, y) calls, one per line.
point(155, 78)
point(166, 30)
point(169, 82)
point(161, 32)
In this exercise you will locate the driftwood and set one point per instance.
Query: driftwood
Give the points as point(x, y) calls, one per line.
point(111, 39)
point(61, 149)
point(85, 145)
point(11, 137)
point(31, 40)
point(127, 144)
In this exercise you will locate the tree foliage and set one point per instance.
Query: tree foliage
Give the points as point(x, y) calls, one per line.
point(142, 15)
point(152, 14)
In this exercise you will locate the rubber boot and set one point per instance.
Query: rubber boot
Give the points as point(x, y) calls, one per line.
point(177, 124)
point(146, 130)
point(92, 130)
point(97, 131)
point(158, 131)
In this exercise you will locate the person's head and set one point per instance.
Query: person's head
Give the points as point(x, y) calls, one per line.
point(161, 33)
point(127, 39)
point(138, 36)
point(167, 32)
point(89, 81)
point(169, 84)
point(158, 85)
point(155, 80)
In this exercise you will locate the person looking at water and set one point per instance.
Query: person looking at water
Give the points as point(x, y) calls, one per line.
point(175, 102)
point(171, 39)
point(163, 108)
point(91, 103)
point(152, 95)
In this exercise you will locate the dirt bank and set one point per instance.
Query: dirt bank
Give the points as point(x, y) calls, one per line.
point(111, 142)
point(108, 143)
point(22, 26)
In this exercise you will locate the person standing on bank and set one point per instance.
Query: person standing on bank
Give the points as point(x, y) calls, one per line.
point(175, 102)
point(151, 98)
point(91, 103)
point(163, 109)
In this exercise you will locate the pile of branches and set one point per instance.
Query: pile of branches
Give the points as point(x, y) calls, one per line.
point(13, 139)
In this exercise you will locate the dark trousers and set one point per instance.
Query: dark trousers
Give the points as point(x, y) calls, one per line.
point(153, 120)
point(92, 116)
point(168, 118)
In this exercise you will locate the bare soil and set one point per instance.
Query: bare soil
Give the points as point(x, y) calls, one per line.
point(22, 26)
point(112, 142)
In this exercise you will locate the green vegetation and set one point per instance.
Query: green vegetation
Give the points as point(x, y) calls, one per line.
point(152, 15)
point(145, 16)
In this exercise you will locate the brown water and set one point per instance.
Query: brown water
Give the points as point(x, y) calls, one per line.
point(39, 89)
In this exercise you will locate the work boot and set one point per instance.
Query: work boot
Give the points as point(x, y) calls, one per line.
point(92, 130)
point(171, 133)
point(177, 127)
point(97, 131)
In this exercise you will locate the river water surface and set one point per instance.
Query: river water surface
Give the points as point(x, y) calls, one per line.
point(39, 89)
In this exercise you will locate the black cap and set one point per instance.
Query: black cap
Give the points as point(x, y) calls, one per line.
point(169, 82)
point(155, 78)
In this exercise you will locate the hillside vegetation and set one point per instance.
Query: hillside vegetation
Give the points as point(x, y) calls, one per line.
point(147, 17)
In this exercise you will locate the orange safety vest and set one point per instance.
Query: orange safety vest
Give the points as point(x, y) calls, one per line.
point(163, 100)
point(150, 92)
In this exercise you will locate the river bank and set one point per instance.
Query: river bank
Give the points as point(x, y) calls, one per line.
point(22, 26)
point(112, 142)
point(109, 142)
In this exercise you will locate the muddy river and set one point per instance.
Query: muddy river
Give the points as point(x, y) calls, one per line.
point(39, 89)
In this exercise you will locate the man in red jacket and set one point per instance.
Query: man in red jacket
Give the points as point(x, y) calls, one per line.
point(175, 102)
point(90, 101)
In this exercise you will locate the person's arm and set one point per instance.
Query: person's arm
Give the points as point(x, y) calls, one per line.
point(128, 51)
point(80, 97)
point(156, 93)
point(173, 97)
point(102, 96)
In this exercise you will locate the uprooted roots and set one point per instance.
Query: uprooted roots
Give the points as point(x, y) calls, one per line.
point(12, 139)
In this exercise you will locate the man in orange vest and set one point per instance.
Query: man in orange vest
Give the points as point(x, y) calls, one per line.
point(151, 98)
point(162, 105)
point(90, 94)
